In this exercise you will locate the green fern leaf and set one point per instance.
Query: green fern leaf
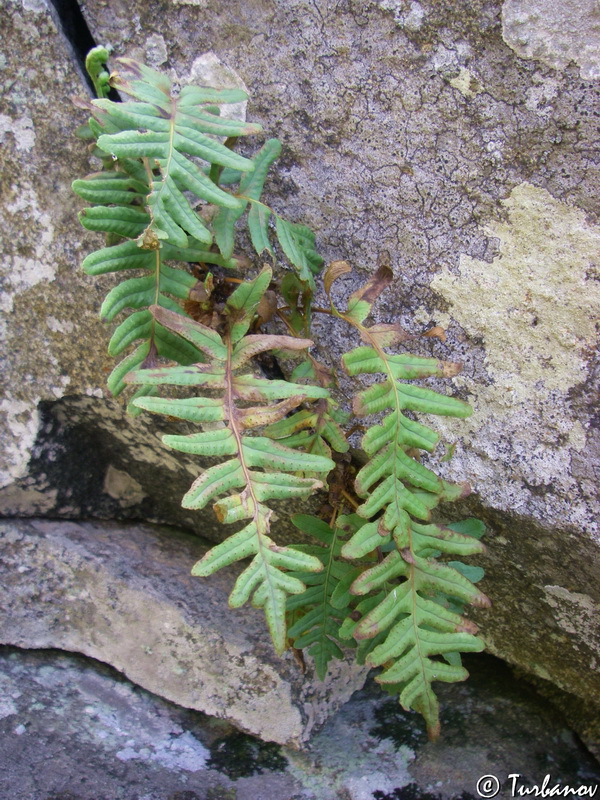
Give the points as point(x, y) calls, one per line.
point(123, 221)
point(256, 469)
point(104, 188)
point(242, 304)
point(298, 243)
point(165, 130)
point(316, 430)
point(407, 628)
point(318, 613)
point(95, 64)
point(258, 226)
point(250, 190)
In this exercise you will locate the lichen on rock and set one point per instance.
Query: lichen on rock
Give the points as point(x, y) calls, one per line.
point(534, 307)
point(555, 33)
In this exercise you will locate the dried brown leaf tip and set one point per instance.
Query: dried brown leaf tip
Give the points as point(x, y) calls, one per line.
point(334, 271)
point(378, 283)
point(436, 332)
point(323, 374)
point(267, 308)
point(450, 368)
point(385, 334)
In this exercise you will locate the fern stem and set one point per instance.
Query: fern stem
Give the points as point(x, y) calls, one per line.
point(231, 410)
point(254, 202)
point(217, 169)
point(215, 173)
point(354, 503)
point(147, 168)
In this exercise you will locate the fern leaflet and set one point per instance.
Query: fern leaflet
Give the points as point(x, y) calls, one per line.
point(325, 603)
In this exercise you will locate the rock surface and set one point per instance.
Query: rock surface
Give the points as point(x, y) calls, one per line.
point(416, 128)
point(555, 34)
point(72, 729)
point(124, 595)
point(458, 137)
point(44, 298)
point(64, 450)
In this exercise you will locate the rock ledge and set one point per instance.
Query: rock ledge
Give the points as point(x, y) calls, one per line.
point(123, 594)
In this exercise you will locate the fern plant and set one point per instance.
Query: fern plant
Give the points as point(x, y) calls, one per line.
point(170, 197)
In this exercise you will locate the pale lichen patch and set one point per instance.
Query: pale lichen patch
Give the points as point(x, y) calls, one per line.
point(534, 307)
point(22, 272)
point(541, 95)
point(36, 6)
point(21, 422)
point(60, 326)
point(156, 50)
point(575, 612)
point(555, 33)
point(409, 15)
point(21, 129)
point(466, 83)
point(535, 304)
point(209, 70)
point(122, 487)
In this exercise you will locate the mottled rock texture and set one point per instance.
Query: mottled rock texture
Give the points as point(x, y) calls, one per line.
point(459, 137)
point(555, 33)
point(44, 299)
point(73, 729)
point(124, 595)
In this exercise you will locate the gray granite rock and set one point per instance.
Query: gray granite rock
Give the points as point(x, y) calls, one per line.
point(49, 329)
point(72, 729)
point(431, 131)
point(458, 137)
point(65, 450)
point(123, 594)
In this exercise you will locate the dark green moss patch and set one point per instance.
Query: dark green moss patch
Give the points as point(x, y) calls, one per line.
point(240, 755)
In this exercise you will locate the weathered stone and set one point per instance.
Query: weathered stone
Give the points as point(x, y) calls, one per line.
point(426, 129)
point(44, 299)
point(50, 330)
point(414, 128)
point(555, 33)
point(544, 628)
point(66, 448)
point(124, 595)
point(92, 459)
point(100, 738)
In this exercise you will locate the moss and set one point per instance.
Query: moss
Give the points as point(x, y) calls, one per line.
point(239, 756)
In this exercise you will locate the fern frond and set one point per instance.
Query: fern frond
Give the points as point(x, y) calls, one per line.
point(143, 197)
point(160, 284)
point(95, 64)
point(249, 191)
point(322, 608)
point(314, 430)
point(387, 579)
point(164, 130)
point(412, 628)
point(256, 468)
